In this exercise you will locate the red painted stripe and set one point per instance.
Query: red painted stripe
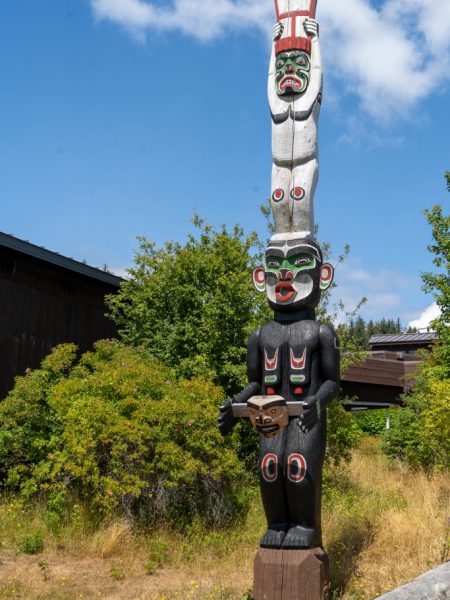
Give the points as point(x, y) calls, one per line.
point(295, 13)
point(288, 43)
point(276, 10)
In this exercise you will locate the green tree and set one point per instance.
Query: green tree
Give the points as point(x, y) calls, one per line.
point(193, 306)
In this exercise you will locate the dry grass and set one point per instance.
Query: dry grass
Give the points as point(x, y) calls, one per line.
point(384, 524)
point(401, 523)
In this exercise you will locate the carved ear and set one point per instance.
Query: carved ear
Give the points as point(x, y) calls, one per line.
point(259, 279)
point(326, 276)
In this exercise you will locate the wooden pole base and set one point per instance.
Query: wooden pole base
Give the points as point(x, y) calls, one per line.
point(291, 575)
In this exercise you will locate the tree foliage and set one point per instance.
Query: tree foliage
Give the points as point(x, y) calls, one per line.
point(117, 431)
point(438, 283)
point(420, 434)
point(193, 306)
point(361, 331)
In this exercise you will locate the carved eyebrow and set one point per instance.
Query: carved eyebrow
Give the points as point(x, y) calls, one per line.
point(303, 249)
point(277, 252)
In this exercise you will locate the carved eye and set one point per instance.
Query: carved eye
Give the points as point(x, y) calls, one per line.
point(273, 411)
point(302, 261)
point(301, 61)
point(273, 263)
point(279, 64)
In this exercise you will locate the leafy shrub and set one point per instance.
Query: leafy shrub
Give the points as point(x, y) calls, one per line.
point(420, 435)
point(343, 434)
point(32, 544)
point(158, 553)
point(372, 422)
point(117, 431)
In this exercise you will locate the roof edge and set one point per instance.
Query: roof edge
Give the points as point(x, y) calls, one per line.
point(13, 243)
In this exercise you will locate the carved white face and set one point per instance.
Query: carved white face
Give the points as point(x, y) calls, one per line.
point(294, 276)
point(288, 278)
point(292, 72)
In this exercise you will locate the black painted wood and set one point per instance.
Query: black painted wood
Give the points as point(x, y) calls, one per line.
point(42, 305)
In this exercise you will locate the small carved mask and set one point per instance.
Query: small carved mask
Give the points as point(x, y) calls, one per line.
point(268, 414)
point(292, 72)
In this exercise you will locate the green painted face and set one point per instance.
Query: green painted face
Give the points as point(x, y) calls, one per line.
point(292, 72)
point(294, 275)
point(285, 279)
point(295, 264)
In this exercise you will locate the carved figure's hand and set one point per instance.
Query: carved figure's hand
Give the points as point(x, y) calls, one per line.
point(311, 27)
point(311, 414)
point(226, 421)
point(277, 31)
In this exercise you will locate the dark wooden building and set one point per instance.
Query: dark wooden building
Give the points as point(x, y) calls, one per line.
point(47, 299)
point(388, 371)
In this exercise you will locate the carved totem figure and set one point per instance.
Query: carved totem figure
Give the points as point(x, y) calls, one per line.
point(293, 358)
point(295, 96)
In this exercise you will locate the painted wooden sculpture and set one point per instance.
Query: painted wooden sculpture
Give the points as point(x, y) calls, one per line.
point(293, 361)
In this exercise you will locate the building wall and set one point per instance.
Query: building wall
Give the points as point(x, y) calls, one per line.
point(42, 305)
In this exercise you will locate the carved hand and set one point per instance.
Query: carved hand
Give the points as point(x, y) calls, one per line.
point(277, 32)
point(226, 421)
point(311, 27)
point(311, 414)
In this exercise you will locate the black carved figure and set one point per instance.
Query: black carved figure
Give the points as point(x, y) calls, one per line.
point(297, 358)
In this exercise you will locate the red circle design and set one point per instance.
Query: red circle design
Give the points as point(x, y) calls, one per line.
point(297, 193)
point(296, 470)
point(260, 276)
point(326, 273)
point(269, 462)
point(278, 195)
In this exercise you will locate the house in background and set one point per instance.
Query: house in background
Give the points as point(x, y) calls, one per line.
point(388, 371)
point(47, 299)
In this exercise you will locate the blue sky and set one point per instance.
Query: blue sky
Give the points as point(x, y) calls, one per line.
point(122, 117)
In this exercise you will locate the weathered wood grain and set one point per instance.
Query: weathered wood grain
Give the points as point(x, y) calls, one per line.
point(291, 575)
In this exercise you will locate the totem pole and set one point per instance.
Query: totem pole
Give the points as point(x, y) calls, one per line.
point(293, 361)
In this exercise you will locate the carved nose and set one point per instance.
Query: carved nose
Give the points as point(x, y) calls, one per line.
point(289, 68)
point(285, 274)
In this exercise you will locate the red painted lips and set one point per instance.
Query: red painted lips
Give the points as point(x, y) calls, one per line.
point(284, 291)
point(290, 81)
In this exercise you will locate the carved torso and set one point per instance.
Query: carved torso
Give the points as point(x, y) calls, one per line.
point(294, 135)
point(288, 359)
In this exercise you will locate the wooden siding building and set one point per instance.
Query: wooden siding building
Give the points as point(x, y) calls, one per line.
point(47, 299)
point(388, 371)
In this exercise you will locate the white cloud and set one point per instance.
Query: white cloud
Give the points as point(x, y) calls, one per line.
point(391, 57)
point(202, 20)
point(426, 317)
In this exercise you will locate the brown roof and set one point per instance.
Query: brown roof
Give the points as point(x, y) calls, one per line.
point(403, 338)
